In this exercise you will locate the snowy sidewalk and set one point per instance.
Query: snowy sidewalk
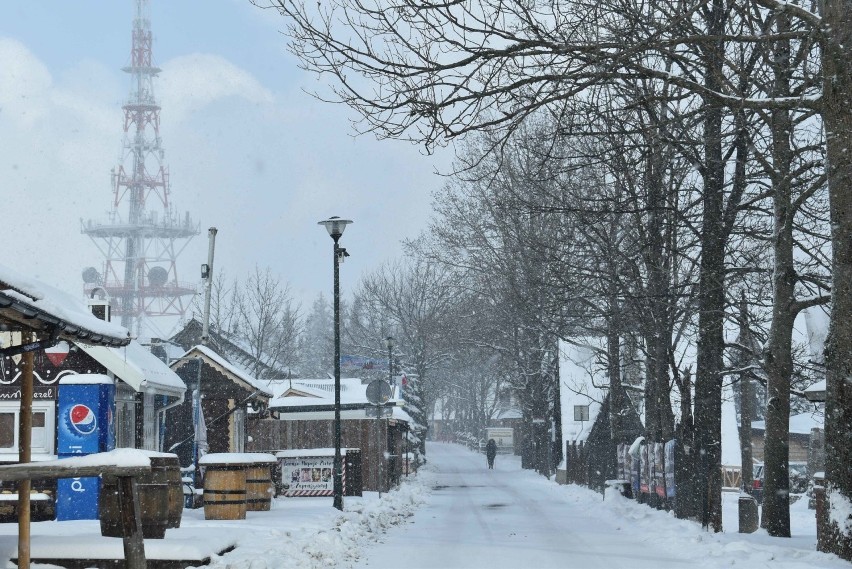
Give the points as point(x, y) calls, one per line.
point(510, 518)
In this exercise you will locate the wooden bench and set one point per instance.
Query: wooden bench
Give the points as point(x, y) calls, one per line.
point(134, 546)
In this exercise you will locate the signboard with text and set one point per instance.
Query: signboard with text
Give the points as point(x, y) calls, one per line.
point(307, 475)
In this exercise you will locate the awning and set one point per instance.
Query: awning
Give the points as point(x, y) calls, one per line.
point(138, 368)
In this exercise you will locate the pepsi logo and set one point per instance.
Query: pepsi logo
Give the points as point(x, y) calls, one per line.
point(83, 419)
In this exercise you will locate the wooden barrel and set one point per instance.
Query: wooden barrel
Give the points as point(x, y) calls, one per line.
point(153, 493)
point(171, 472)
point(259, 488)
point(225, 492)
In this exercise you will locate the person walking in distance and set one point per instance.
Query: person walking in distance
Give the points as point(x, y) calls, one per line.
point(491, 452)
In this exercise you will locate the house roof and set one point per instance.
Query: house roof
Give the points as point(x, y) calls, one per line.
point(800, 424)
point(816, 392)
point(232, 348)
point(40, 307)
point(138, 368)
point(319, 392)
point(235, 373)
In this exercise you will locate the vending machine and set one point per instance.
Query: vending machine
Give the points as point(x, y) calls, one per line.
point(86, 408)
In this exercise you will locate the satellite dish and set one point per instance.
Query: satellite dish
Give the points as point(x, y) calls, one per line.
point(158, 276)
point(91, 276)
point(378, 392)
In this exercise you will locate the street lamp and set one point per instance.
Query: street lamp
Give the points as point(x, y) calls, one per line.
point(389, 344)
point(335, 227)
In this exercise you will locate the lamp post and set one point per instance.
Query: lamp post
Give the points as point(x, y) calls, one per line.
point(335, 227)
point(389, 344)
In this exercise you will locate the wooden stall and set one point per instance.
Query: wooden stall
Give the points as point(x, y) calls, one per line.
point(227, 394)
point(305, 419)
point(38, 317)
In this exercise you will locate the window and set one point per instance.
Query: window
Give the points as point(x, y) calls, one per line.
point(8, 428)
point(238, 441)
point(43, 430)
point(581, 412)
point(149, 423)
point(125, 417)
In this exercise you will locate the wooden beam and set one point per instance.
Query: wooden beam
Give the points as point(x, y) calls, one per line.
point(35, 470)
point(131, 523)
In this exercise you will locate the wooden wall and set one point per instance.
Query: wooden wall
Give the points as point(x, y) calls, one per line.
point(371, 436)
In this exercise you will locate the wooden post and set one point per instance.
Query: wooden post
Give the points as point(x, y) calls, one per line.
point(24, 455)
point(131, 523)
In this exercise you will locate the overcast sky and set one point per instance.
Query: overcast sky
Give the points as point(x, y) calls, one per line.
point(248, 151)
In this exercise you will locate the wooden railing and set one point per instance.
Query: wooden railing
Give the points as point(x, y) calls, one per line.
point(128, 498)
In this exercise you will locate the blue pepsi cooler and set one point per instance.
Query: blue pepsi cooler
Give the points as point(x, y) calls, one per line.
point(84, 426)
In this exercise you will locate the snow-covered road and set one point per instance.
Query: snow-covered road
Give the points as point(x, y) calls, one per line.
point(507, 518)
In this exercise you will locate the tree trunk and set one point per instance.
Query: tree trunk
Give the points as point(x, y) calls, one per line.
point(711, 298)
point(746, 401)
point(778, 357)
point(837, 120)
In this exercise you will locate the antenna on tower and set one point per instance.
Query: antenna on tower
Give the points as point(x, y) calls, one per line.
point(141, 241)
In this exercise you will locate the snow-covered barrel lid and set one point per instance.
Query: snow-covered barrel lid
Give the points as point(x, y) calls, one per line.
point(85, 379)
point(219, 458)
point(260, 457)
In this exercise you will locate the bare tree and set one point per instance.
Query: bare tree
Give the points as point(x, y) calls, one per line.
point(267, 321)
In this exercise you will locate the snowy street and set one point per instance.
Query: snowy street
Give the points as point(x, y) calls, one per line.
point(505, 518)
point(509, 518)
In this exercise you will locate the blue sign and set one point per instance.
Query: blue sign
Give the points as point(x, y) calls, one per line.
point(85, 416)
point(358, 363)
point(77, 498)
point(85, 426)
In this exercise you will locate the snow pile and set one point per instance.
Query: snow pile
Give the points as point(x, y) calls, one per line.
point(323, 537)
point(708, 549)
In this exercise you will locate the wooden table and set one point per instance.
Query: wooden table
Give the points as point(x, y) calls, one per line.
point(134, 546)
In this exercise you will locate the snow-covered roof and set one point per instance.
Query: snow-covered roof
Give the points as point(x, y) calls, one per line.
point(310, 452)
point(138, 368)
point(502, 414)
point(579, 378)
point(234, 371)
point(36, 300)
point(397, 413)
point(800, 424)
point(816, 392)
point(314, 392)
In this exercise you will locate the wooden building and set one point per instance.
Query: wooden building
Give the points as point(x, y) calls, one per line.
point(230, 398)
point(35, 317)
point(303, 417)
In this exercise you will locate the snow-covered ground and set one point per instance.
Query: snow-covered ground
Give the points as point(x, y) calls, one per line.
point(457, 513)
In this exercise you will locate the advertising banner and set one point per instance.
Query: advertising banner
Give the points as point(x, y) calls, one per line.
point(659, 471)
point(308, 476)
point(670, 468)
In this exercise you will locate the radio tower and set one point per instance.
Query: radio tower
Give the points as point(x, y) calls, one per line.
point(140, 245)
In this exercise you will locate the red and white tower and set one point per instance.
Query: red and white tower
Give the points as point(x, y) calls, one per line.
point(140, 245)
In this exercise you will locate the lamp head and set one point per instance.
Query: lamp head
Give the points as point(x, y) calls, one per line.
point(389, 342)
point(335, 226)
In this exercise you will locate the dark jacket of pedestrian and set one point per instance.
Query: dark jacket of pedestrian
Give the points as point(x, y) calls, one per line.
point(490, 452)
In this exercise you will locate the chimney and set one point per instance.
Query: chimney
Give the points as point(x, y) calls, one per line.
point(100, 308)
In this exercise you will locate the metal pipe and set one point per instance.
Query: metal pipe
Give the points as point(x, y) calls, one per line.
point(208, 285)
